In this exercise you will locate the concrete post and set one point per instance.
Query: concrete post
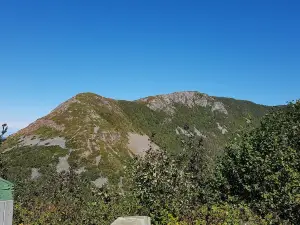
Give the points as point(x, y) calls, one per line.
point(132, 220)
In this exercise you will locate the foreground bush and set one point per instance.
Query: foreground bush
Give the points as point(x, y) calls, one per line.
point(176, 189)
point(220, 214)
point(165, 183)
point(68, 198)
point(262, 167)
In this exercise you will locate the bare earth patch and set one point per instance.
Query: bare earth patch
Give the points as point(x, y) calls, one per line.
point(139, 144)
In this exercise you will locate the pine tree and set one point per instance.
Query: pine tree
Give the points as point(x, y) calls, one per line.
point(4, 130)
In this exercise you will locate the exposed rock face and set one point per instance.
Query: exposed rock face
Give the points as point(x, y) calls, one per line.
point(222, 129)
point(188, 98)
point(180, 130)
point(166, 102)
point(99, 182)
point(219, 106)
point(32, 140)
point(198, 133)
point(35, 174)
point(109, 137)
point(63, 164)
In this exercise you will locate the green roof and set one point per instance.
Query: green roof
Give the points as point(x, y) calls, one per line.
point(6, 190)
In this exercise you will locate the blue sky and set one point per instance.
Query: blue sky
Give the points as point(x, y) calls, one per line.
point(52, 50)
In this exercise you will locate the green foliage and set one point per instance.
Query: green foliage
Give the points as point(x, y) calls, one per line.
point(36, 157)
point(47, 132)
point(262, 167)
point(161, 127)
point(18, 162)
point(171, 188)
point(158, 183)
point(175, 189)
point(218, 214)
point(68, 198)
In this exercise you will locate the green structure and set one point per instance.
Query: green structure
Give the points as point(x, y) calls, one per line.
point(6, 190)
point(6, 202)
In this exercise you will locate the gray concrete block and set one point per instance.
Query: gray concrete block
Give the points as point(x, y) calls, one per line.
point(132, 220)
point(6, 212)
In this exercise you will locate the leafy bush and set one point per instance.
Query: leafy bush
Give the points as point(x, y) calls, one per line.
point(218, 214)
point(262, 167)
point(68, 198)
point(165, 183)
point(175, 189)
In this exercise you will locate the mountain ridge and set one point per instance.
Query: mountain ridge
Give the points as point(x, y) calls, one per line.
point(96, 135)
point(62, 106)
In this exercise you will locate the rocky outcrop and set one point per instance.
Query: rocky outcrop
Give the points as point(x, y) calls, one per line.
point(219, 106)
point(190, 99)
point(100, 182)
point(222, 129)
point(63, 164)
point(35, 140)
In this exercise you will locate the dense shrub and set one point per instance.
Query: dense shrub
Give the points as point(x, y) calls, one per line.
point(218, 214)
point(68, 198)
point(169, 183)
point(176, 189)
point(262, 167)
point(171, 189)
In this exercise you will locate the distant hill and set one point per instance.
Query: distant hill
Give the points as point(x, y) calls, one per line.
point(96, 135)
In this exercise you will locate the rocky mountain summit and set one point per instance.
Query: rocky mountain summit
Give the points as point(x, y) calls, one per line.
point(96, 135)
point(190, 99)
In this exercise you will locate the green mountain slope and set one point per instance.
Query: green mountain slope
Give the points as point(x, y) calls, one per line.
point(96, 135)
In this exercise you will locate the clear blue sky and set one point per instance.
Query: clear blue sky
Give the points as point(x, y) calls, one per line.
point(52, 50)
